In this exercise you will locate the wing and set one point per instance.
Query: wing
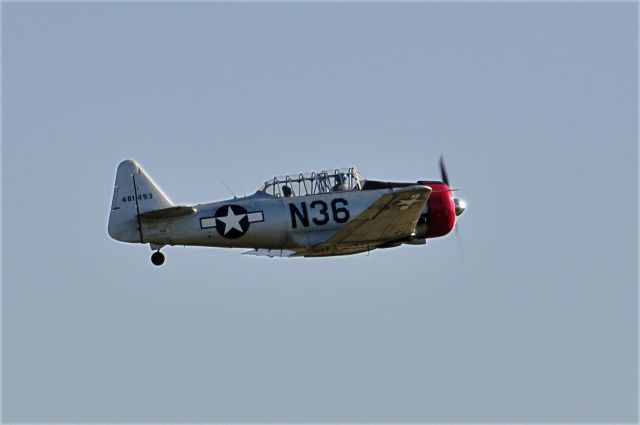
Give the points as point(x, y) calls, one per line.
point(392, 216)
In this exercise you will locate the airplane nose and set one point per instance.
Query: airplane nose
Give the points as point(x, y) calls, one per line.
point(460, 205)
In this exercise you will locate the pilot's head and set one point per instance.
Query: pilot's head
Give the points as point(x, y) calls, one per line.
point(342, 178)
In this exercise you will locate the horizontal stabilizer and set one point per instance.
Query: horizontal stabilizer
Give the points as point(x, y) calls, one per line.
point(170, 212)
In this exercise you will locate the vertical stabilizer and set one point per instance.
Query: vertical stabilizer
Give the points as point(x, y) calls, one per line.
point(134, 193)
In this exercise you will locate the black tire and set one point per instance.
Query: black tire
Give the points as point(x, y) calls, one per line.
point(157, 258)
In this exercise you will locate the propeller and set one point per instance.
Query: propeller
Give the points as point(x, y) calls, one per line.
point(459, 241)
point(443, 171)
point(459, 204)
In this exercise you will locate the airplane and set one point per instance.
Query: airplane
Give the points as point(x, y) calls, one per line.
point(314, 214)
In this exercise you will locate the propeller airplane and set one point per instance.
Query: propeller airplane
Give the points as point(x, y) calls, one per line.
point(314, 214)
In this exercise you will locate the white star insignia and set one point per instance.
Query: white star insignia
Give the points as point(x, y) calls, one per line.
point(231, 221)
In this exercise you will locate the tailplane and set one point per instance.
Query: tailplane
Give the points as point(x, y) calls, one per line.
point(134, 193)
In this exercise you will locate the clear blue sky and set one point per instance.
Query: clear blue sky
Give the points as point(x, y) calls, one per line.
point(534, 106)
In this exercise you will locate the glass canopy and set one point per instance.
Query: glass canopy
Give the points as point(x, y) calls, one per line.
point(313, 183)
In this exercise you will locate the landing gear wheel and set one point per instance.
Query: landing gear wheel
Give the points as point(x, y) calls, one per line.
point(157, 258)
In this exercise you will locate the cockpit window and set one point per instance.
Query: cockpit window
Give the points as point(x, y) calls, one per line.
point(313, 183)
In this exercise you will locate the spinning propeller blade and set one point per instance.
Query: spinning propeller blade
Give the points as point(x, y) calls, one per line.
point(443, 171)
point(460, 206)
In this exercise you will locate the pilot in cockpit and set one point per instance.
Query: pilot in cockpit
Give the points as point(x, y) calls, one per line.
point(341, 183)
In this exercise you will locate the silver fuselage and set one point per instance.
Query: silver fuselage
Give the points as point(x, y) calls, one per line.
point(294, 223)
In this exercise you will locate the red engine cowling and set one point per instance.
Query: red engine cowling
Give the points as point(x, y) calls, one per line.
point(441, 212)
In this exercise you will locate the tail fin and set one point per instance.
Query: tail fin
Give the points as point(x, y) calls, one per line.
point(135, 193)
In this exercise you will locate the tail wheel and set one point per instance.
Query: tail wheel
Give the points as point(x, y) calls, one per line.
point(157, 258)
